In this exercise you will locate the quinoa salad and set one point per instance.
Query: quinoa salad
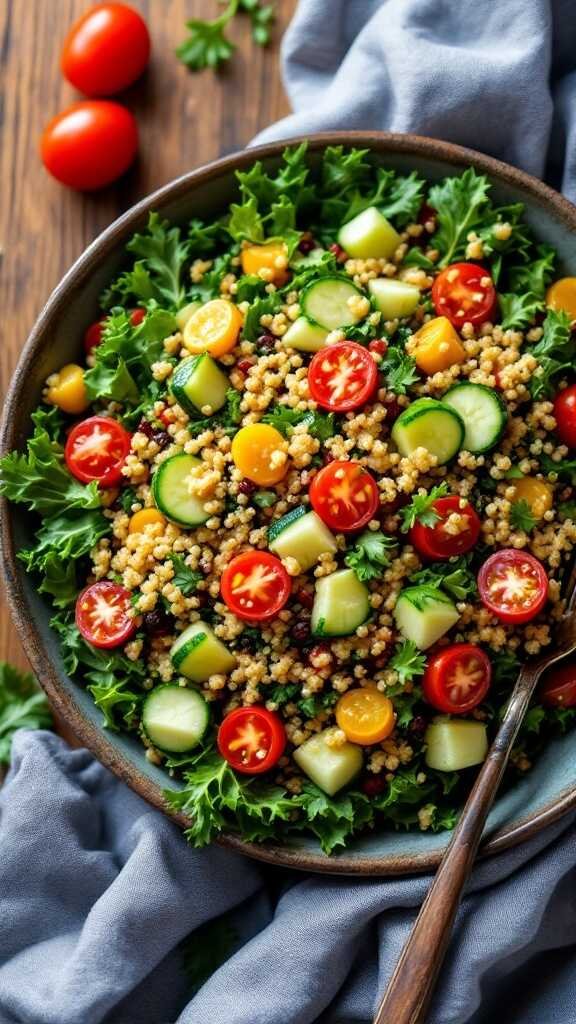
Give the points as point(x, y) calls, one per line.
point(305, 502)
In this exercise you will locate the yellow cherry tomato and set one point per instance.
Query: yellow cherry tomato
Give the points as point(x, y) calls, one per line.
point(538, 494)
point(365, 715)
point(213, 328)
point(272, 257)
point(561, 295)
point(437, 346)
point(259, 452)
point(143, 518)
point(66, 389)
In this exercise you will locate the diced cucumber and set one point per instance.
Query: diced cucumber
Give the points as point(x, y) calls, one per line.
point(171, 494)
point(483, 413)
point(330, 768)
point(369, 236)
point(183, 315)
point(393, 298)
point(301, 535)
point(305, 336)
point(175, 718)
point(430, 424)
point(341, 604)
point(452, 746)
point(198, 654)
point(423, 614)
point(325, 302)
point(198, 384)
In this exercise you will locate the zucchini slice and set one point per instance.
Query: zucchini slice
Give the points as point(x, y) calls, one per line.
point(341, 604)
point(369, 236)
point(483, 413)
point(305, 336)
point(394, 299)
point(301, 535)
point(171, 494)
point(330, 768)
point(175, 718)
point(197, 383)
point(452, 746)
point(198, 654)
point(325, 302)
point(424, 614)
point(430, 424)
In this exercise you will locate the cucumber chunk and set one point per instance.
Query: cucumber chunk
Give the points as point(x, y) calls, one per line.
point(198, 383)
point(303, 536)
point(452, 746)
point(326, 302)
point(394, 299)
point(330, 768)
point(424, 614)
point(341, 604)
point(183, 315)
point(198, 654)
point(483, 413)
point(369, 236)
point(305, 336)
point(430, 424)
point(171, 495)
point(175, 718)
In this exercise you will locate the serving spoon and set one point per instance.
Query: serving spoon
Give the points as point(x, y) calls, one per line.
point(412, 984)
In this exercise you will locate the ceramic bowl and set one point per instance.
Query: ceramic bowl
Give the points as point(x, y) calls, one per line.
point(549, 790)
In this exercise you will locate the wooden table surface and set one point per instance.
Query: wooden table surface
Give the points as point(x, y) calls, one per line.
point(185, 120)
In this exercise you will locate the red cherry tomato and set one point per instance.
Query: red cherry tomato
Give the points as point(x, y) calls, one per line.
point(93, 336)
point(104, 614)
point(513, 585)
point(252, 739)
point(342, 376)
point(464, 293)
point(255, 586)
point(565, 415)
point(344, 495)
point(137, 316)
point(96, 449)
point(435, 542)
point(90, 144)
point(106, 50)
point(558, 688)
point(457, 678)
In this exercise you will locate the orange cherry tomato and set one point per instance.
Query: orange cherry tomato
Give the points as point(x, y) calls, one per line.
point(272, 256)
point(106, 49)
point(252, 739)
point(255, 586)
point(145, 517)
point(365, 715)
point(213, 328)
point(561, 296)
point(259, 452)
point(90, 144)
point(344, 495)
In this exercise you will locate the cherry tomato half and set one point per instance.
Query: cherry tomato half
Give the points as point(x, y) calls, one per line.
point(96, 449)
point(104, 614)
point(436, 542)
point(513, 585)
point(558, 687)
point(255, 586)
point(464, 293)
point(106, 50)
point(342, 376)
point(90, 144)
point(93, 335)
point(457, 678)
point(252, 739)
point(344, 495)
point(365, 715)
point(565, 415)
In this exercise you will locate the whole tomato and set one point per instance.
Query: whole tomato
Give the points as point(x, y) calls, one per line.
point(106, 50)
point(90, 144)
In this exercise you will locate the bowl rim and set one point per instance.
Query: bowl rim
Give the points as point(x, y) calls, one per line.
point(94, 737)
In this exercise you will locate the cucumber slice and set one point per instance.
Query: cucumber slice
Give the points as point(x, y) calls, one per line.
point(330, 768)
point(452, 746)
point(198, 654)
point(341, 604)
point(326, 302)
point(183, 315)
point(198, 383)
point(483, 413)
point(369, 236)
point(301, 535)
point(305, 336)
point(394, 299)
point(429, 424)
point(171, 494)
point(175, 718)
point(424, 614)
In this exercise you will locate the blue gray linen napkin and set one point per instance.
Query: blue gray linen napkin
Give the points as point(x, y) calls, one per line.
point(97, 890)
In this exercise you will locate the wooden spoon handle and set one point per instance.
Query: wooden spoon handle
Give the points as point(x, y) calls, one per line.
point(410, 989)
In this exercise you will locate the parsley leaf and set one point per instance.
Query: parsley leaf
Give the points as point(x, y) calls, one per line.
point(399, 370)
point(533, 275)
point(460, 203)
point(125, 356)
point(184, 578)
point(270, 305)
point(555, 352)
point(370, 555)
point(283, 418)
point(334, 819)
point(407, 661)
point(421, 508)
point(454, 576)
point(518, 311)
point(521, 516)
point(159, 273)
point(22, 706)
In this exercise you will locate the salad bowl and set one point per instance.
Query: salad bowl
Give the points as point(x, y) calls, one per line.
point(548, 791)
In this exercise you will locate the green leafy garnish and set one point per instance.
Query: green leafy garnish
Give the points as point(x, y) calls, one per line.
point(399, 370)
point(264, 499)
point(208, 46)
point(123, 360)
point(521, 516)
point(555, 352)
point(283, 418)
point(184, 578)
point(519, 311)
point(407, 661)
point(459, 203)
point(421, 508)
point(453, 576)
point(334, 819)
point(533, 275)
point(159, 274)
point(228, 417)
point(370, 555)
point(22, 706)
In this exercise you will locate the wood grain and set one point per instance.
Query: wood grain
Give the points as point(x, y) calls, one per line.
point(185, 120)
